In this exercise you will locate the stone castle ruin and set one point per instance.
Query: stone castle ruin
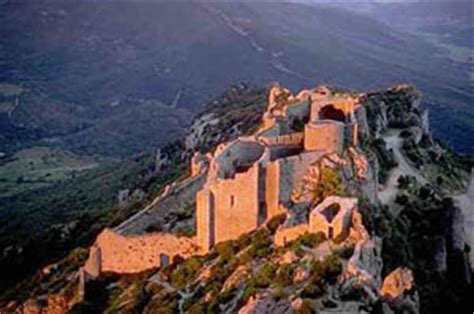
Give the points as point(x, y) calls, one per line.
point(248, 181)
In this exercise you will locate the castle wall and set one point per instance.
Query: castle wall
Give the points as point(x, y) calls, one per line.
point(272, 179)
point(238, 153)
point(237, 205)
point(325, 135)
point(205, 219)
point(286, 235)
point(125, 255)
point(292, 171)
point(270, 129)
point(176, 197)
point(283, 151)
point(299, 110)
point(93, 264)
point(347, 105)
point(288, 139)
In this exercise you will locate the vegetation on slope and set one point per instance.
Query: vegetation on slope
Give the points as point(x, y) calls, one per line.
point(41, 226)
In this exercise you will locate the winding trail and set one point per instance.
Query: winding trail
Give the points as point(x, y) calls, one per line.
point(394, 142)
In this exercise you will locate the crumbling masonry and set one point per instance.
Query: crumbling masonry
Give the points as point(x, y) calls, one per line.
point(246, 182)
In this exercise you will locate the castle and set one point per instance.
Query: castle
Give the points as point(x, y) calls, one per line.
point(248, 181)
point(252, 179)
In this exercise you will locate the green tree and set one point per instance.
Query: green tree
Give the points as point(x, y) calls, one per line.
point(329, 183)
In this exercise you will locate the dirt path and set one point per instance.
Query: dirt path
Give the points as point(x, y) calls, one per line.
point(466, 202)
point(389, 191)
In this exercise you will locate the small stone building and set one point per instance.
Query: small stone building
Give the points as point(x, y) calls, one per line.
point(333, 216)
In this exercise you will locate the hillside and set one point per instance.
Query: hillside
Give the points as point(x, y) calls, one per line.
point(86, 69)
point(417, 226)
point(40, 226)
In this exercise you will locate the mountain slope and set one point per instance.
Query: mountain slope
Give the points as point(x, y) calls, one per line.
point(419, 229)
point(99, 55)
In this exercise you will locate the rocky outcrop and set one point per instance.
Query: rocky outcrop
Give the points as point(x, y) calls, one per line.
point(399, 293)
point(51, 304)
point(198, 131)
point(363, 272)
point(398, 107)
point(238, 276)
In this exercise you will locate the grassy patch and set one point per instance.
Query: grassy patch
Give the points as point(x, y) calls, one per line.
point(37, 167)
point(8, 90)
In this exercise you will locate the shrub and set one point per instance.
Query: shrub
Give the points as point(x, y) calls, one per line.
point(401, 199)
point(327, 270)
point(261, 244)
point(329, 183)
point(264, 276)
point(275, 222)
point(312, 291)
point(226, 250)
point(284, 275)
point(346, 252)
point(186, 272)
point(279, 294)
point(249, 291)
point(196, 309)
point(244, 240)
point(313, 239)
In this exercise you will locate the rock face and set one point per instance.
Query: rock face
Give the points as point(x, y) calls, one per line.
point(399, 293)
point(51, 304)
point(198, 128)
point(364, 269)
point(408, 111)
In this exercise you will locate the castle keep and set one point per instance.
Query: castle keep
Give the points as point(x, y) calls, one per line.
point(246, 182)
point(252, 179)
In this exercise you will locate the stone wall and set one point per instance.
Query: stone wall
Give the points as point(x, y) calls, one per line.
point(175, 197)
point(228, 208)
point(326, 136)
point(272, 179)
point(341, 222)
point(237, 154)
point(284, 235)
point(292, 171)
point(288, 139)
point(133, 254)
point(297, 110)
point(343, 103)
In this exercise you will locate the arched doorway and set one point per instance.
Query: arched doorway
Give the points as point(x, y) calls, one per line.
point(329, 112)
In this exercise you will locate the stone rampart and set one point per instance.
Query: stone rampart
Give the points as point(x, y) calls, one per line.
point(288, 139)
point(284, 235)
point(134, 254)
point(175, 197)
point(324, 135)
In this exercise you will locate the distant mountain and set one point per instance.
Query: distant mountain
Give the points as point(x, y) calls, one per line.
point(88, 67)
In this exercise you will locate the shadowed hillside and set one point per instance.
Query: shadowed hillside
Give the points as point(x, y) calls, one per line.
point(84, 64)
